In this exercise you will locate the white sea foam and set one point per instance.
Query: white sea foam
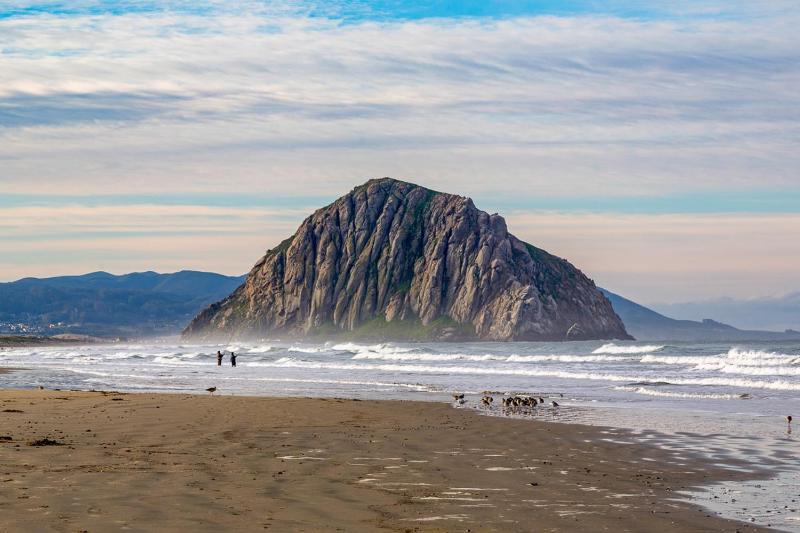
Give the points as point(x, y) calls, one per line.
point(173, 360)
point(670, 394)
point(352, 347)
point(259, 349)
point(347, 382)
point(299, 349)
point(749, 370)
point(564, 358)
point(627, 349)
point(735, 361)
point(432, 357)
point(416, 370)
point(426, 357)
point(759, 357)
point(535, 372)
point(122, 355)
point(679, 359)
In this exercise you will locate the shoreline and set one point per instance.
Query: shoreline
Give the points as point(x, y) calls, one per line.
point(32, 341)
point(246, 463)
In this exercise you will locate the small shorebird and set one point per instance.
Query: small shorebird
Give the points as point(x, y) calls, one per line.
point(487, 401)
point(211, 390)
point(555, 404)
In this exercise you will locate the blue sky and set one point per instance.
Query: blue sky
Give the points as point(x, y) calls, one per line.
point(393, 10)
point(719, 202)
point(358, 11)
point(173, 134)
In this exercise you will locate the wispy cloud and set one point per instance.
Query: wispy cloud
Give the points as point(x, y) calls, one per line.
point(524, 105)
point(247, 99)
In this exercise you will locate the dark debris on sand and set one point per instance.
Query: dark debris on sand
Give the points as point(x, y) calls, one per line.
point(45, 442)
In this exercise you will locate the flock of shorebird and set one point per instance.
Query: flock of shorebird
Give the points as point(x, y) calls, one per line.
point(509, 402)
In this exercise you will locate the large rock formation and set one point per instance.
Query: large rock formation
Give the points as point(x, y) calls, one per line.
point(396, 260)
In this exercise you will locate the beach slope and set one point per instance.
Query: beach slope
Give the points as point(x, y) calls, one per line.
point(95, 461)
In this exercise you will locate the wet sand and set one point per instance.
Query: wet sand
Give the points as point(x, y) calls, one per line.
point(156, 462)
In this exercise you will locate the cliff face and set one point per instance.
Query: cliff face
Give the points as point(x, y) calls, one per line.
point(392, 253)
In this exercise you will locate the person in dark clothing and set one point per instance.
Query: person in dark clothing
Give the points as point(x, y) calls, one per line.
point(219, 358)
point(233, 359)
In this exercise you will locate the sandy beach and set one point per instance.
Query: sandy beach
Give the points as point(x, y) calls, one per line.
point(147, 462)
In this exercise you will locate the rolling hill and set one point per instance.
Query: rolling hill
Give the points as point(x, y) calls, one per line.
point(99, 303)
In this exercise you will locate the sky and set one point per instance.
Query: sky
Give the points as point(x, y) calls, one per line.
point(653, 144)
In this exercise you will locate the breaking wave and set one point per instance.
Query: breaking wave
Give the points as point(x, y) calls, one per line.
point(392, 356)
point(379, 348)
point(435, 357)
point(299, 349)
point(563, 358)
point(735, 361)
point(691, 371)
point(667, 394)
point(749, 370)
point(533, 372)
point(259, 349)
point(413, 386)
point(612, 348)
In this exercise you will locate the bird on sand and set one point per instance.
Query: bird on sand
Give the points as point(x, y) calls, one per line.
point(555, 404)
point(211, 390)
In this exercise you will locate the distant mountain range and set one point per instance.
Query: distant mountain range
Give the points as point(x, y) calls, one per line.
point(776, 313)
point(131, 305)
point(646, 324)
point(148, 303)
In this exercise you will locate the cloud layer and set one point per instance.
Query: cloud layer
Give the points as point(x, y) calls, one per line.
point(300, 100)
point(189, 102)
point(666, 258)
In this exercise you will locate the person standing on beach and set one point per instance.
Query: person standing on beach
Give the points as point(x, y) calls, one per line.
point(219, 358)
point(233, 359)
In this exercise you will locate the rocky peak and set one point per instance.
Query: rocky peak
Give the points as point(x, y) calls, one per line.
point(392, 259)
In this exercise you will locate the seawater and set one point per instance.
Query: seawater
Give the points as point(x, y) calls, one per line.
point(728, 401)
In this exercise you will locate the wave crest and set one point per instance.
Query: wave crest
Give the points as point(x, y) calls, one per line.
point(668, 394)
point(612, 348)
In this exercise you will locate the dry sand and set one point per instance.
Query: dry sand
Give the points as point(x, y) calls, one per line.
point(154, 462)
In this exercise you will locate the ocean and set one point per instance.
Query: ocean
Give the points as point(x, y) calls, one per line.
point(727, 401)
